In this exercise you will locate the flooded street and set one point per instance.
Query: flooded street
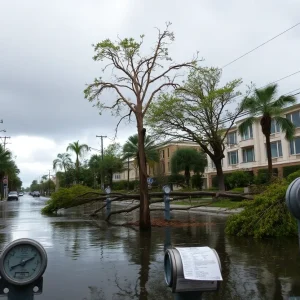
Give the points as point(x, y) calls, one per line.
point(96, 261)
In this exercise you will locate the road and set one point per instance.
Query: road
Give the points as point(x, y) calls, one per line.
point(89, 261)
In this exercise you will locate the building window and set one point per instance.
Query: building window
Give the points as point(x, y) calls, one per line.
point(276, 149)
point(231, 138)
point(168, 152)
point(294, 118)
point(168, 166)
point(248, 133)
point(274, 127)
point(117, 176)
point(233, 158)
point(295, 146)
point(248, 154)
point(162, 154)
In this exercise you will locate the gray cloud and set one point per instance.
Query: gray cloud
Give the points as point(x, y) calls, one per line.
point(46, 56)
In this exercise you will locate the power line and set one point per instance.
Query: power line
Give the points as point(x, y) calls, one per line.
point(245, 113)
point(273, 38)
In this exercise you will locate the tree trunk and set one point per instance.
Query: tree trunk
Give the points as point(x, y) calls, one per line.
point(77, 170)
point(145, 223)
point(265, 124)
point(187, 176)
point(220, 175)
point(269, 156)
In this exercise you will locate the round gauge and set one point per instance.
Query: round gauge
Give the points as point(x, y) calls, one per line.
point(166, 189)
point(23, 261)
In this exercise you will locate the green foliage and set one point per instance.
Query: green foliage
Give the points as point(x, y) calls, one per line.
point(131, 149)
point(187, 160)
point(176, 178)
point(195, 111)
point(63, 161)
point(8, 167)
point(265, 216)
point(237, 190)
point(239, 179)
point(233, 180)
point(290, 169)
point(266, 106)
point(64, 197)
point(197, 181)
point(123, 185)
point(293, 176)
point(262, 176)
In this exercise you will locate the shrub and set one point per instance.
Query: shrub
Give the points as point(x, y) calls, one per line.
point(262, 176)
point(239, 179)
point(265, 216)
point(65, 197)
point(176, 178)
point(293, 176)
point(197, 181)
point(289, 170)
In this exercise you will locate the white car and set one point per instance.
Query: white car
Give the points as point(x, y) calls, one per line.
point(12, 196)
point(21, 194)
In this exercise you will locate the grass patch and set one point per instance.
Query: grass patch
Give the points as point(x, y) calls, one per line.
point(225, 203)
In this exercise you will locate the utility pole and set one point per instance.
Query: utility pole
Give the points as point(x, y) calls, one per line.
point(102, 156)
point(49, 184)
point(4, 143)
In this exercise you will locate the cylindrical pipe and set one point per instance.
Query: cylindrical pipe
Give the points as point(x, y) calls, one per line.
point(299, 232)
point(167, 207)
point(188, 296)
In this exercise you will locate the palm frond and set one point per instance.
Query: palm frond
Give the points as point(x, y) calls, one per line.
point(284, 101)
point(286, 126)
point(267, 94)
point(245, 124)
point(250, 104)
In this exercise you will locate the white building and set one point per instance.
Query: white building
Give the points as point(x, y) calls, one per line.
point(248, 152)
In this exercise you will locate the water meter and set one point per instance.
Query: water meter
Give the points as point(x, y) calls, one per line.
point(22, 265)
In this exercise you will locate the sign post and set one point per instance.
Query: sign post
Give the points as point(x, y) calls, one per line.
point(5, 183)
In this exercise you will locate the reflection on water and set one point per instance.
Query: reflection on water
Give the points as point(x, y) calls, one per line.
point(98, 261)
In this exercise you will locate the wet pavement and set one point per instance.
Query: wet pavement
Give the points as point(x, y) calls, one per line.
point(96, 261)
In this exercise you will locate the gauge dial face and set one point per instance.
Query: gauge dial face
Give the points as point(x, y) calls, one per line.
point(23, 263)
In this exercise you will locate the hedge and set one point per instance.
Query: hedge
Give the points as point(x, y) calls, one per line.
point(290, 169)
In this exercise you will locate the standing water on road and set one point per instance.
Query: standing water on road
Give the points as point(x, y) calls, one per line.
point(95, 261)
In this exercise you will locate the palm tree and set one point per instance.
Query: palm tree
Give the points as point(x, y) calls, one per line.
point(131, 149)
point(8, 166)
point(188, 159)
point(265, 104)
point(63, 161)
point(79, 150)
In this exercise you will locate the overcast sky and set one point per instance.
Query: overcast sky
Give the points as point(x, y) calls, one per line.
point(46, 60)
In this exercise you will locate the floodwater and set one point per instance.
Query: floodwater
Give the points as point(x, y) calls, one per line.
point(97, 261)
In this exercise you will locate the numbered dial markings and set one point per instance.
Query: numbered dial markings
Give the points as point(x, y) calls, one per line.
point(22, 263)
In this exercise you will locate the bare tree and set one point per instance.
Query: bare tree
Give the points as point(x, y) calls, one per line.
point(138, 77)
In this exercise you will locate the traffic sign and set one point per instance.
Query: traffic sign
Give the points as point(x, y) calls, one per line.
point(149, 180)
point(5, 181)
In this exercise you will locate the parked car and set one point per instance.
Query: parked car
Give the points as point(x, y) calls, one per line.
point(36, 194)
point(21, 194)
point(12, 196)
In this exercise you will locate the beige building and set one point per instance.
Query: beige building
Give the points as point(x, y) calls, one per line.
point(162, 168)
point(248, 151)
